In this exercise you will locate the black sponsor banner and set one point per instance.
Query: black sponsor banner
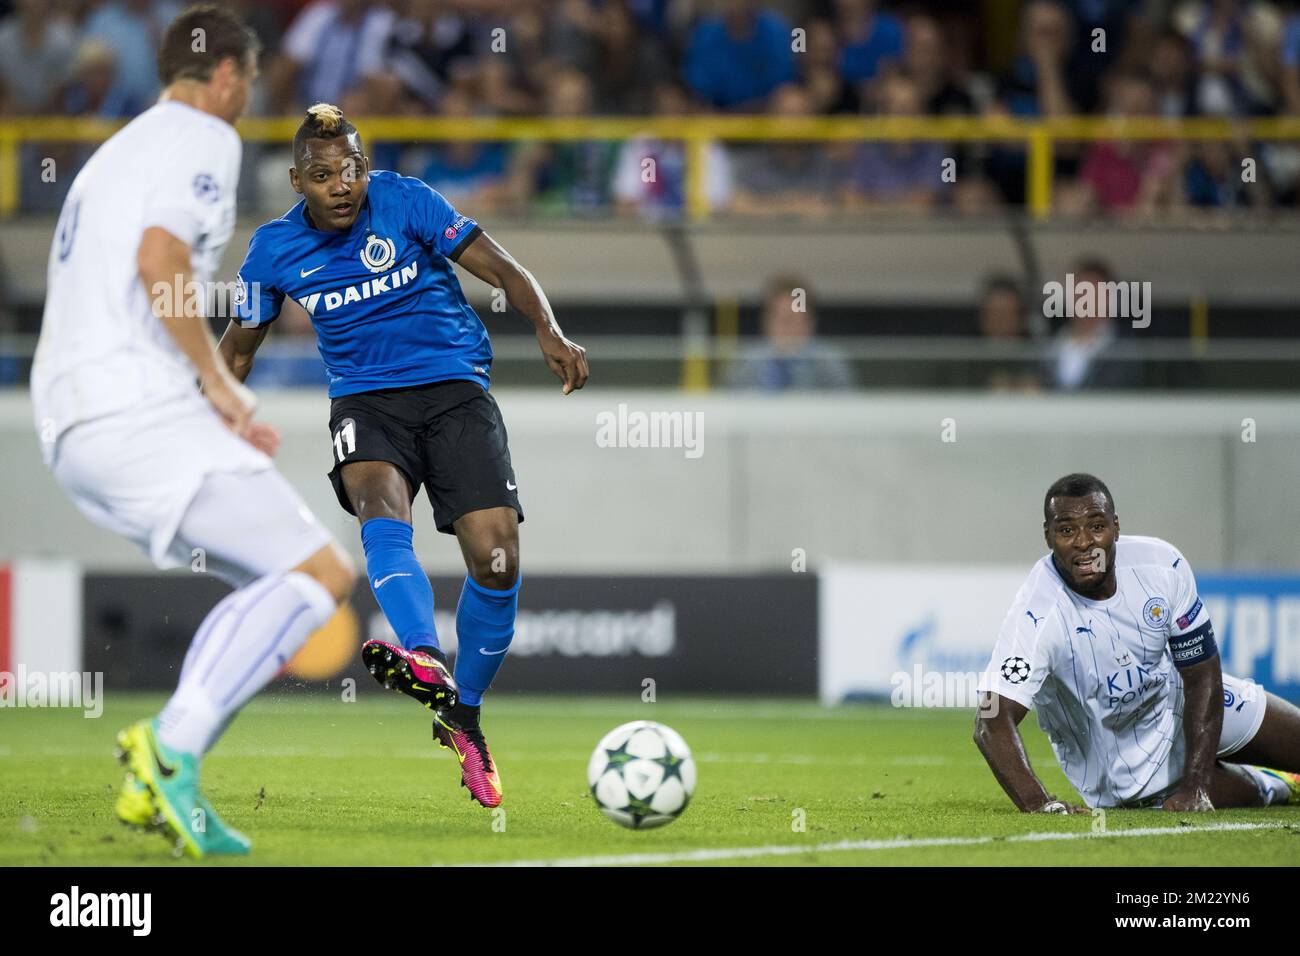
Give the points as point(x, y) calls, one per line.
point(689, 634)
point(137, 627)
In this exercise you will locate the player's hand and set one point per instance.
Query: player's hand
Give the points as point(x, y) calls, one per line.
point(1192, 799)
point(263, 436)
point(233, 400)
point(1060, 806)
point(567, 360)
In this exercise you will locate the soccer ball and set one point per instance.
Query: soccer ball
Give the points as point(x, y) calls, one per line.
point(641, 775)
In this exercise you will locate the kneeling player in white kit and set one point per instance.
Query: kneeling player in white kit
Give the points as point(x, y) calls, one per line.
point(140, 450)
point(1109, 641)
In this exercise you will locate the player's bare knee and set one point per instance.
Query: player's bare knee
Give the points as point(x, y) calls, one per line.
point(497, 571)
point(494, 563)
point(377, 492)
point(380, 499)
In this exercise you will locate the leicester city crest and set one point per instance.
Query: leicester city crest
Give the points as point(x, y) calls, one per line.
point(1155, 612)
point(378, 254)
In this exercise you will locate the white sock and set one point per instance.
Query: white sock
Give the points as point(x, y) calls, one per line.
point(239, 648)
point(1272, 789)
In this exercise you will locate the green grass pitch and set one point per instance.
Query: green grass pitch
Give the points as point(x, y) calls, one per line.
point(315, 780)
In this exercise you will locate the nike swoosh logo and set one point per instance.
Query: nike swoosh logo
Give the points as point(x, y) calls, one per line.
point(510, 487)
point(484, 650)
point(163, 769)
point(379, 582)
point(304, 273)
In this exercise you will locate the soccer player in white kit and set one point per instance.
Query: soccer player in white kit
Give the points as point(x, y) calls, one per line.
point(135, 444)
point(1110, 643)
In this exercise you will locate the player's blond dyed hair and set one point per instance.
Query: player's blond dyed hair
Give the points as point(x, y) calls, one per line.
point(323, 121)
point(325, 116)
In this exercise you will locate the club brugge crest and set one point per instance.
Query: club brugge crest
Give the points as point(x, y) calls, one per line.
point(378, 255)
point(1155, 612)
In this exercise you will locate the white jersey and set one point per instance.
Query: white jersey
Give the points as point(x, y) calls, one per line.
point(1101, 674)
point(102, 350)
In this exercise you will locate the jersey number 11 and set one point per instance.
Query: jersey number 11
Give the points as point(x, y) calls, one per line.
point(345, 440)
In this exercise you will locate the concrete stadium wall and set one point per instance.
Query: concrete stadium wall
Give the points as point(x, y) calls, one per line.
point(864, 261)
point(845, 478)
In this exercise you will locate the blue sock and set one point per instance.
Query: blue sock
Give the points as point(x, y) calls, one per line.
point(485, 624)
point(401, 587)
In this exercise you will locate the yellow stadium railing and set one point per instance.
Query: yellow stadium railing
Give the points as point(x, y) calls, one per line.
point(1038, 136)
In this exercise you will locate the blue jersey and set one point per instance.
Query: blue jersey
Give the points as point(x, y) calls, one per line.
point(386, 304)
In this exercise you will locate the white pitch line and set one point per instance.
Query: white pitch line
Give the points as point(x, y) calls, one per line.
point(735, 853)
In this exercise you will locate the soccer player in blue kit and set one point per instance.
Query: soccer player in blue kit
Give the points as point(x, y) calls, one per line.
point(368, 255)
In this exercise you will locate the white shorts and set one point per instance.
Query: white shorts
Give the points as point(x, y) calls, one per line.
point(1243, 712)
point(174, 479)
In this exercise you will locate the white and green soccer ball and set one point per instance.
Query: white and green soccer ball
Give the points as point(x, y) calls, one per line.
point(642, 775)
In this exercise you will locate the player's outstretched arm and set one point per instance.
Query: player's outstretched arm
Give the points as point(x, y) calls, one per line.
point(1202, 728)
point(238, 346)
point(997, 734)
point(164, 265)
point(488, 261)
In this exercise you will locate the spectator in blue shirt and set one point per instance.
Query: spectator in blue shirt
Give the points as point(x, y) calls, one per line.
point(1291, 63)
point(869, 39)
point(1040, 81)
point(734, 60)
point(36, 48)
point(1212, 177)
point(896, 175)
point(133, 29)
point(92, 89)
point(790, 356)
point(467, 172)
point(464, 169)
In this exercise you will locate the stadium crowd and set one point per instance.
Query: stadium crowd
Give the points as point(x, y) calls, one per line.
point(458, 58)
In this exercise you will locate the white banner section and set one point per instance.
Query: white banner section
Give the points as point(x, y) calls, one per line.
point(919, 636)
